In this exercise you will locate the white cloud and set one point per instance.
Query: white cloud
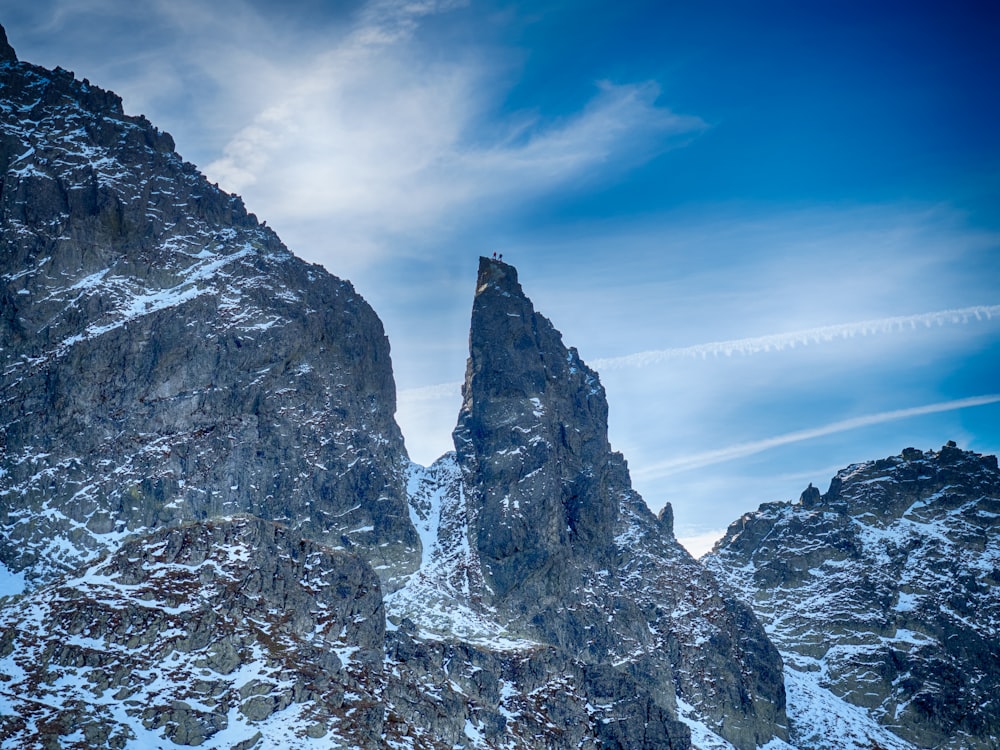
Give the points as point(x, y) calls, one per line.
point(354, 131)
point(373, 137)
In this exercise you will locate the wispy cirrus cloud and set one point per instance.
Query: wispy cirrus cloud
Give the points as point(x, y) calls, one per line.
point(364, 126)
point(372, 136)
point(380, 147)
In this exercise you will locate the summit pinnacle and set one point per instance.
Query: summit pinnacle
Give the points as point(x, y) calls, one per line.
point(539, 531)
point(7, 53)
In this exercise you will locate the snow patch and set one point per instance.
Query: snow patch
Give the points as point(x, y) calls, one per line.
point(11, 583)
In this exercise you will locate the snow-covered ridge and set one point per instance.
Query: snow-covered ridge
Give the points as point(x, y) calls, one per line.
point(883, 593)
point(163, 354)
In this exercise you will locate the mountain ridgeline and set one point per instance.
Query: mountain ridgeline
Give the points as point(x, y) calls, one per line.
point(884, 589)
point(164, 357)
point(212, 534)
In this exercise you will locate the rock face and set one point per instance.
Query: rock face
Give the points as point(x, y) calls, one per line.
point(222, 631)
point(164, 358)
point(884, 592)
point(202, 482)
point(238, 633)
point(536, 534)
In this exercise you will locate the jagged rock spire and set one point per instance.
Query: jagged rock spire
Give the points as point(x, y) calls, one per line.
point(7, 53)
point(532, 439)
point(570, 555)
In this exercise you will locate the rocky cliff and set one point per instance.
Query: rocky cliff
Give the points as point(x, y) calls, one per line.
point(164, 358)
point(224, 544)
point(883, 591)
point(238, 633)
point(535, 533)
point(231, 631)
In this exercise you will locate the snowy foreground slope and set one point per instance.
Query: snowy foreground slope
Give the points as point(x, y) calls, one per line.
point(208, 634)
point(238, 633)
point(883, 592)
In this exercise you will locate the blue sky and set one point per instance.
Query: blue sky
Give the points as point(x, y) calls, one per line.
point(774, 227)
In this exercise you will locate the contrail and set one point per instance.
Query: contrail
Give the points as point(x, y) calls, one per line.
point(779, 341)
point(697, 460)
point(748, 346)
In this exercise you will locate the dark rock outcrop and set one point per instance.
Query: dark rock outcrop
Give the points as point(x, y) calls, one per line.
point(164, 358)
point(539, 536)
point(884, 591)
point(7, 53)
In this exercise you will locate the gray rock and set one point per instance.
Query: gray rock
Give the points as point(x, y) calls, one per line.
point(7, 53)
point(178, 633)
point(469, 696)
point(541, 537)
point(884, 591)
point(164, 358)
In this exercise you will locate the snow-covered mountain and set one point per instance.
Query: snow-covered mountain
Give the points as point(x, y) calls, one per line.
point(536, 534)
point(196, 425)
point(211, 534)
point(882, 592)
point(164, 358)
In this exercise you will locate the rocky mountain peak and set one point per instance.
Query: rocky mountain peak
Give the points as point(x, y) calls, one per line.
point(810, 496)
point(7, 53)
point(502, 277)
point(532, 439)
point(883, 592)
point(885, 486)
point(514, 352)
point(165, 358)
point(532, 530)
